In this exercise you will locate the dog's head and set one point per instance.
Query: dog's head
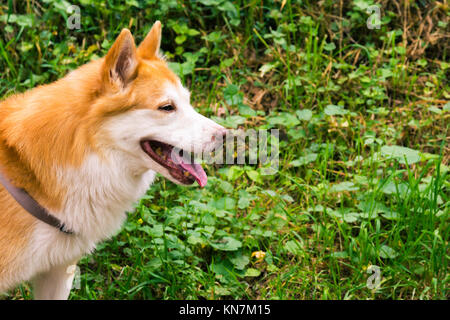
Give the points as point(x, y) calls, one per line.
point(148, 113)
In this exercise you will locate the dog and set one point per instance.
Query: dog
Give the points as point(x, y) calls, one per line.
point(80, 152)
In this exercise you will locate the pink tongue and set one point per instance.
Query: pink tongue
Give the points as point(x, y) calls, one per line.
point(196, 170)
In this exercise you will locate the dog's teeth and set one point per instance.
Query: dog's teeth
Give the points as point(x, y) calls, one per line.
point(159, 151)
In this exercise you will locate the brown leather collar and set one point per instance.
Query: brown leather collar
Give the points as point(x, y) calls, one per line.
point(32, 206)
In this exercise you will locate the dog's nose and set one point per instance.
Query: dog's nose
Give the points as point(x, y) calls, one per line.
point(220, 133)
point(223, 132)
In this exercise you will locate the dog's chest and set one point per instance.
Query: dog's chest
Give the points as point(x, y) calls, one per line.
point(99, 195)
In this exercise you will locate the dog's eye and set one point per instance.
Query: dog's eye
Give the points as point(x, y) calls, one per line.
point(167, 108)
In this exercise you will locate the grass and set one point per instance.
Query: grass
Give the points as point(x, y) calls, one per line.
point(363, 176)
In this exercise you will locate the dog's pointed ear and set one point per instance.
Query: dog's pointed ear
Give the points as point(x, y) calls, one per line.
point(121, 61)
point(149, 47)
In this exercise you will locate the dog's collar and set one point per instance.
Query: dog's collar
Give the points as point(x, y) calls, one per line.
point(32, 206)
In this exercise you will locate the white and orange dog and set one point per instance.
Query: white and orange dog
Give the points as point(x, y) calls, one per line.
point(86, 148)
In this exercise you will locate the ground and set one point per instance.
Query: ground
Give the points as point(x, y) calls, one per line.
point(358, 208)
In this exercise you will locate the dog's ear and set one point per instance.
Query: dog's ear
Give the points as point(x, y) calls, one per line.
point(149, 47)
point(120, 65)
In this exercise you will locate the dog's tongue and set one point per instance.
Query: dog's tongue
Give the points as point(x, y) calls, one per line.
point(196, 170)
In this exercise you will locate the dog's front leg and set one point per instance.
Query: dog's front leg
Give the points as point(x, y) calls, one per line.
point(54, 284)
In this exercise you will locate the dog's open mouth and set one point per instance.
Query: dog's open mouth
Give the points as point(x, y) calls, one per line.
point(182, 170)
